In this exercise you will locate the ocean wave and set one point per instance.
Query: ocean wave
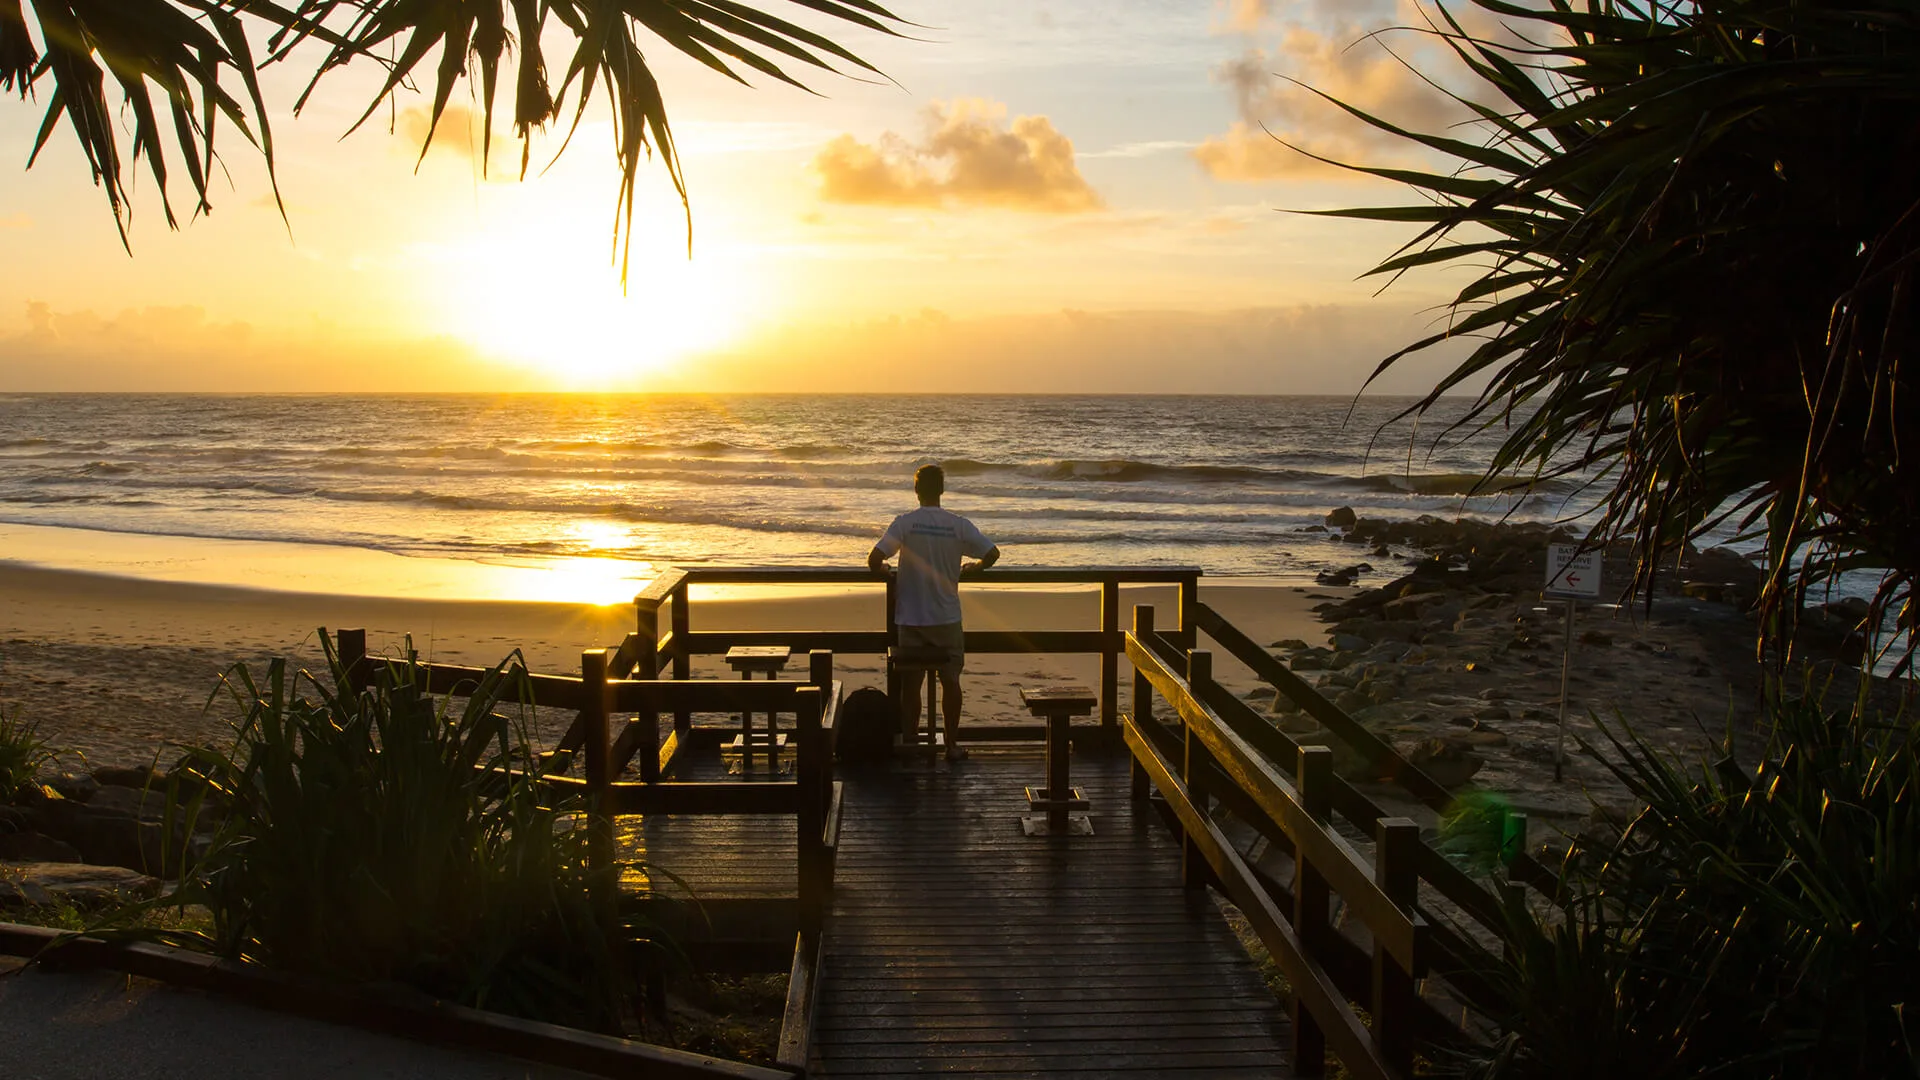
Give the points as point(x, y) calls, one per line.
point(1453, 483)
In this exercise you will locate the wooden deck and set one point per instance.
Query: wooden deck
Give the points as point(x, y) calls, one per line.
point(958, 945)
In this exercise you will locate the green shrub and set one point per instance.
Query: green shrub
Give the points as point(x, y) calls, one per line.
point(23, 754)
point(375, 836)
point(1749, 923)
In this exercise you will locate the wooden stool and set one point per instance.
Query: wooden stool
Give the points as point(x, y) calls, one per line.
point(927, 662)
point(750, 660)
point(1053, 807)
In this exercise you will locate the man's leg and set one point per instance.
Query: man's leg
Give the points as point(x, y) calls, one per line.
point(911, 702)
point(950, 686)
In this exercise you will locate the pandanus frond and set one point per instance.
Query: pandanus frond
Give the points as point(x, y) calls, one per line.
point(1695, 229)
point(195, 51)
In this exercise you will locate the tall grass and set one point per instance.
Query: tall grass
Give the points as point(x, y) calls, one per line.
point(374, 835)
point(1759, 922)
point(23, 753)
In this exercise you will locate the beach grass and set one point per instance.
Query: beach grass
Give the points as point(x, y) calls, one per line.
point(1753, 921)
point(373, 834)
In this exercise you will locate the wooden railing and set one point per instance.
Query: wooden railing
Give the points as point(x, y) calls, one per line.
point(1216, 760)
point(597, 696)
point(675, 649)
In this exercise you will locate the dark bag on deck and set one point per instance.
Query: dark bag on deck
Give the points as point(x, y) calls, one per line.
point(863, 732)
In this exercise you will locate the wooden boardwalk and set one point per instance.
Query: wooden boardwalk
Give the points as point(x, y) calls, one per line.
point(958, 945)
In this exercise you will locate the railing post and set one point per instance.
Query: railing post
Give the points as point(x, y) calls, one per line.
point(682, 653)
point(1396, 844)
point(646, 619)
point(1195, 769)
point(1142, 693)
point(1311, 906)
point(1189, 611)
point(820, 675)
point(810, 812)
point(351, 645)
point(594, 723)
point(1110, 647)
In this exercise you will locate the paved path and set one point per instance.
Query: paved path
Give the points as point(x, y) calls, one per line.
point(103, 1026)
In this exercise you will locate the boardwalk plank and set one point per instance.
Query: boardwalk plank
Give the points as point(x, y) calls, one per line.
point(956, 944)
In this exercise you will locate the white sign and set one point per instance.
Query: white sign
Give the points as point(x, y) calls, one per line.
point(1568, 575)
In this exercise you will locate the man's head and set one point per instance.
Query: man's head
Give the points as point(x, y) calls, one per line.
point(929, 481)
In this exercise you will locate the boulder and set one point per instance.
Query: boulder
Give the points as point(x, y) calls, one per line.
point(1337, 578)
point(139, 776)
point(106, 837)
point(1447, 761)
point(33, 847)
point(1343, 518)
point(147, 804)
point(1351, 643)
point(44, 884)
point(77, 786)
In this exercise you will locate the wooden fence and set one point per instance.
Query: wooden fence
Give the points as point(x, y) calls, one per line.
point(674, 651)
point(1215, 759)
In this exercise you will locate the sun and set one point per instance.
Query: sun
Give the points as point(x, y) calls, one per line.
point(540, 290)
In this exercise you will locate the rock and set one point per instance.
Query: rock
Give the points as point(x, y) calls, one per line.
point(43, 884)
point(148, 804)
point(1282, 706)
point(141, 776)
point(1337, 578)
point(1293, 644)
point(1449, 763)
point(33, 847)
point(1381, 552)
point(1351, 700)
point(1342, 518)
point(1492, 712)
point(105, 837)
point(1351, 643)
point(1308, 661)
point(76, 786)
point(1314, 529)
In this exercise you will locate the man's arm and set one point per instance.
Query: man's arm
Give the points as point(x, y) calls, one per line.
point(876, 562)
point(992, 556)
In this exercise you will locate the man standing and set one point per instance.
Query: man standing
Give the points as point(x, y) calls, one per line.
point(930, 542)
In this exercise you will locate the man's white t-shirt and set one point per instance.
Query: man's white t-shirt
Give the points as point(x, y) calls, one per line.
point(930, 542)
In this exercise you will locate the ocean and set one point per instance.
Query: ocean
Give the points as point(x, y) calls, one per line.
point(1235, 485)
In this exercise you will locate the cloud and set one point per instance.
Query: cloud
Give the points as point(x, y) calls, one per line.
point(1270, 91)
point(967, 156)
point(18, 221)
point(179, 348)
point(458, 135)
point(1298, 349)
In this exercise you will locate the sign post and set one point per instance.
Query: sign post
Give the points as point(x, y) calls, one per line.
point(1572, 574)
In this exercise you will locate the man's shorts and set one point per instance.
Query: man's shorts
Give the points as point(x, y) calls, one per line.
point(945, 636)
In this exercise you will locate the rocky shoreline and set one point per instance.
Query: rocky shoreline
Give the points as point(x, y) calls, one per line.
point(1457, 661)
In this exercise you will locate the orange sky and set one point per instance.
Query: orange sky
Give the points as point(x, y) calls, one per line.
point(1056, 196)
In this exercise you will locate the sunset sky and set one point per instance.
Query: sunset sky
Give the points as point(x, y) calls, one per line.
point(1058, 195)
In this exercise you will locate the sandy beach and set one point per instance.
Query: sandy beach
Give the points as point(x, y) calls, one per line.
point(120, 669)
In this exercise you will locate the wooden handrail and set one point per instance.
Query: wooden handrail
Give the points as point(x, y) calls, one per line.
point(844, 575)
point(1310, 981)
point(1346, 871)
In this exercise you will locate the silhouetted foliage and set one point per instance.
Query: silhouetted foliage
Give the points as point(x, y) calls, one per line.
point(1695, 228)
point(196, 53)
point(1752, 922)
